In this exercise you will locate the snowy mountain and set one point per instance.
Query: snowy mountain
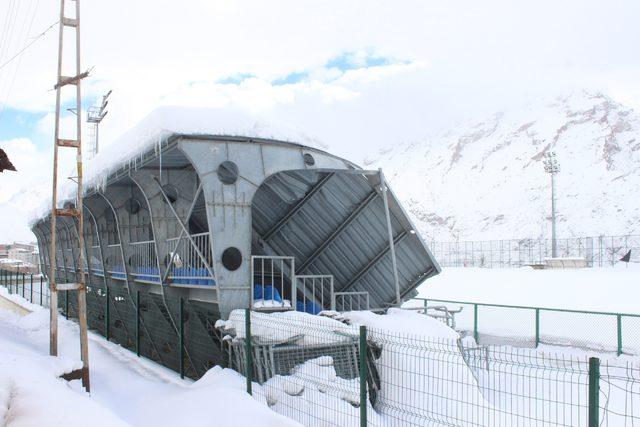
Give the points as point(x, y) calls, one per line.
point(486, 180)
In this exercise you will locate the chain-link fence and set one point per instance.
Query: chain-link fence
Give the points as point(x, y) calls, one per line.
point(597, 251)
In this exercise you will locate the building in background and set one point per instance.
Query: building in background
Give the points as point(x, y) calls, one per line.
point(20, 255)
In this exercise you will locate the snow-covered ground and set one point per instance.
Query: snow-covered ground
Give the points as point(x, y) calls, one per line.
point(424, 372)
point(126, 390)
point(591, 289)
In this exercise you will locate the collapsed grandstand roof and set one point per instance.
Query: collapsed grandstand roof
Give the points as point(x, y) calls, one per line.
point(289, 198)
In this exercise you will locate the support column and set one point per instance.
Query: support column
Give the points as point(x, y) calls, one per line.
point(392, 248)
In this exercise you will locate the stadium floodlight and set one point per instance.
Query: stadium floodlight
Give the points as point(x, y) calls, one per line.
point(552, 167)
point(95, 115)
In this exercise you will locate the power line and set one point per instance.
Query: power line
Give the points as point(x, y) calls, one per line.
point(7, 27)
point(25, 34)
point(29, 45)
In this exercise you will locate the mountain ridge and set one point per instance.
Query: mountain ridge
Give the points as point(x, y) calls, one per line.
point(484, 180)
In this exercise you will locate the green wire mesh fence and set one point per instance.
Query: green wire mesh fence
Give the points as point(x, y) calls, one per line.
point(322, 372)
point(32, 287)
point(313, 376)
point(525, 326)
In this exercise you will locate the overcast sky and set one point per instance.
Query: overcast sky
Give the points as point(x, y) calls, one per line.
point(359, 75)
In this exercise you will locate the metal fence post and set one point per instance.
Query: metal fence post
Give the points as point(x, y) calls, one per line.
point(106, 313)
point(41, 290)
point(31, 288)
point(425, 306)
point(248, 369)
point(181, 338)
point(66, 304)
point(138, 323)
point(23, 284)
point(475, 322)
point(594, 391)
point(537, 327)
point(619, 319)
point(363, 376)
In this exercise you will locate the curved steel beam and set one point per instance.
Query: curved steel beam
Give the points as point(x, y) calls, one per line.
point(153, 230)
point(97, 234)
point(124, 260)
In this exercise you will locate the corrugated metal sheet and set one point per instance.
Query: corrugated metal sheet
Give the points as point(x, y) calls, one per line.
point(342, 213)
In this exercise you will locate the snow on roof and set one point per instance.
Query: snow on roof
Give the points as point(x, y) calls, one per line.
point(165, 122)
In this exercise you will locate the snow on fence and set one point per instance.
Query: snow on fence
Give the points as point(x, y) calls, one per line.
point(600, 251)
point(321, 371)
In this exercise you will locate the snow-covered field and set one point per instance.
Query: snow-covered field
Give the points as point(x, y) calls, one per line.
point(613, 290)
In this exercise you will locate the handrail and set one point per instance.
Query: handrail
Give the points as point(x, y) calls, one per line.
point(172, 239)
point(524, 307)
point(146, 242)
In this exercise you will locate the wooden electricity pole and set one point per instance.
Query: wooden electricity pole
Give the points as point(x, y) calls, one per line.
point(73, 211)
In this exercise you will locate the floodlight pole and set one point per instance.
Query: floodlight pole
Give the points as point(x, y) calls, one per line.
point(95, 116)
point(554, 245)
point(552, 167)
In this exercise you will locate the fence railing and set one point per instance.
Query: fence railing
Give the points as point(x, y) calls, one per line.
point(273, 282)
point(314, 292)
point(276, 287)
point(190, 264)
point(32, 287)
point(530, 326)
point(113, 261)
point(143, 262)
point(350, 301)
point(599, 251)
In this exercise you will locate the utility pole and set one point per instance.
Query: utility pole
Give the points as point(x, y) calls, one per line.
point(73, 211)
point(552, 167)
point(95, 115)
